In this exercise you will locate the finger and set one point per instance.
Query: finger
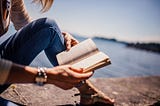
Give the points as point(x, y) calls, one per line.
point(74, 72)
point(84, 76)
point(67, 35)
point(73, 43)
point(71, 39)
point(66, 78)
point(78, 70)
point(68, 44)
point(64, 33)
point(80, 76)
point(76, 41)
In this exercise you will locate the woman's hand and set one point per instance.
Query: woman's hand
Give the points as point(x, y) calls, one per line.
point(69, 40)
point(66, 76)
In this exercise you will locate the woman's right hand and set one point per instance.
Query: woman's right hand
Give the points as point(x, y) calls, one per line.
point(66, 76)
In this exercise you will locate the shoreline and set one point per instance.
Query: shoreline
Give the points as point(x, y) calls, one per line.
point(130, 91)
point(153, 47)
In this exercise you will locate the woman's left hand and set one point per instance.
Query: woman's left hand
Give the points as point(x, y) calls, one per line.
point(69, 40)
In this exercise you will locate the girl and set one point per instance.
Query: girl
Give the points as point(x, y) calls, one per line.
point(44, 34)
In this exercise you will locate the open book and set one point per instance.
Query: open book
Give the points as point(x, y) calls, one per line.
point(84, 55)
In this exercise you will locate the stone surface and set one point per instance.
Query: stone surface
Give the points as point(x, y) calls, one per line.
point(133, 91)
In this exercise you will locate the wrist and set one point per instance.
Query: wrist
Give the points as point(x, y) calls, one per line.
point(41, 76)
point(52, 74)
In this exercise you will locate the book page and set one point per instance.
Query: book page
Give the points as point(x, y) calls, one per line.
point(93, 62)
point(77, 52)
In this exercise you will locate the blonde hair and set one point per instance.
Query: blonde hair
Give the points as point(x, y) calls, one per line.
point(46, 4)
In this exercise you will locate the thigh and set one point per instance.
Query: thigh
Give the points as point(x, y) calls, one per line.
point(29, 41)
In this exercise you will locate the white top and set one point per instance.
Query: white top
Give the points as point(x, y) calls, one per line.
point(19, 14)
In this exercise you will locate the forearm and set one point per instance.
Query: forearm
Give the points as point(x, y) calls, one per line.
point(63, 76)
point(21, 74)
point(27, 74)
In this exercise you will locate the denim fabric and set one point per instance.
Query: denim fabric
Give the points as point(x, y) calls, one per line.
point(4, 102)
point(29, 41)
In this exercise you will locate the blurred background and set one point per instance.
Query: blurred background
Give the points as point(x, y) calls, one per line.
point(129, 20)
point(118, 27)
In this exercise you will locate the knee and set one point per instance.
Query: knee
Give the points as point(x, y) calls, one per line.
point(50, 22)
point(51, 25)
point(44, 23)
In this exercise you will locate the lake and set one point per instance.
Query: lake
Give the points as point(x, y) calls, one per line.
point(126, 61)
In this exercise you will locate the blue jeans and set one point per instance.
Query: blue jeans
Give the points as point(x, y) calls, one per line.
point(29, 41)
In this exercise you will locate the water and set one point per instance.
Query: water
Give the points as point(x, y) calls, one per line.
point(126, 61)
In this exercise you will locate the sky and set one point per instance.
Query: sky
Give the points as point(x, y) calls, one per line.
point(126, 20)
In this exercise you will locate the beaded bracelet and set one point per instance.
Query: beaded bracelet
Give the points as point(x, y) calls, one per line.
point(41, 76)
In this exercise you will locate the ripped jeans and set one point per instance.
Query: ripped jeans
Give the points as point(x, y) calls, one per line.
point(29, 41)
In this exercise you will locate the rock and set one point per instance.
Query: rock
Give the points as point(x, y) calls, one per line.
point(134, 91)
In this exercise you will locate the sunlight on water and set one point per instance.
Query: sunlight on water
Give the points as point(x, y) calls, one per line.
point(126, 62)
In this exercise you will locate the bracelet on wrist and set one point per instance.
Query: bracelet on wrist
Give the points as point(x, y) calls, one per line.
point(41, 76)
